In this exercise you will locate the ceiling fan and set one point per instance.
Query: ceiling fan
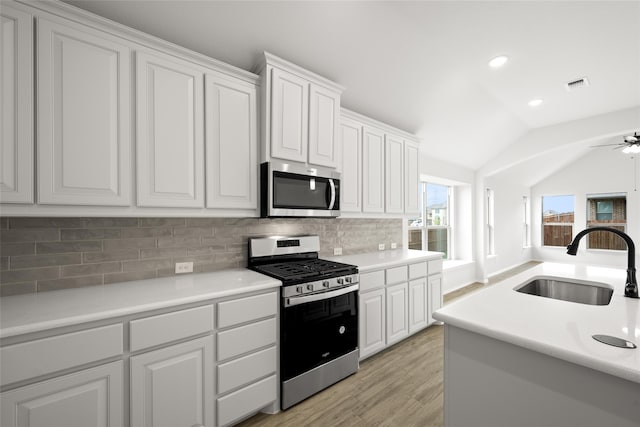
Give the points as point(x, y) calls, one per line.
point(629, 145)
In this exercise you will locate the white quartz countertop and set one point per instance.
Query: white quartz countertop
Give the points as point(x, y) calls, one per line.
point(383, 259)
point(560, 329)
point(22, 314)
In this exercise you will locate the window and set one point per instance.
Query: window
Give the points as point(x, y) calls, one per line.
point(557, 220)
point(432, 230)
point(606, 210)
point(526, 224)
point(491, 247)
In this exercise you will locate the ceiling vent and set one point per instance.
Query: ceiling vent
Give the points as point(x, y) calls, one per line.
point(576, 84)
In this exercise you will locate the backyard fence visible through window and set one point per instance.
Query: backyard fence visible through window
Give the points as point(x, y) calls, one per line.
point(606, 210)
point(558, 214)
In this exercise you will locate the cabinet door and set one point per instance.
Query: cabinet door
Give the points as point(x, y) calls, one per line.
point(435, 295)
point(83, 116)
point(394, 174)
point(170, 132)
point(231, 143)
point(173, 386)
point(372, 322)
point(93, 397)
point(351, 159)
point(289, 116)
point(397, 313)
point(418, 304)
point(324, 114)
point(411, 178)
point(16, 118)
point(372, 170)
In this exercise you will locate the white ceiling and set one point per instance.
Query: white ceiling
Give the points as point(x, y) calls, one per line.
point(422, 66)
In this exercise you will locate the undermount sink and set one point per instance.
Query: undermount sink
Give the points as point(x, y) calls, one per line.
point(567, 290)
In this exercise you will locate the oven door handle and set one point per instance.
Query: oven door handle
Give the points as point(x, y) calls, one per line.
point(291, 301)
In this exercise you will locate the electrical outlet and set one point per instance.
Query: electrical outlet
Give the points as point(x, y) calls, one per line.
point(381, 247)
point(184, 267)
point(394, 245)
point(337, 251)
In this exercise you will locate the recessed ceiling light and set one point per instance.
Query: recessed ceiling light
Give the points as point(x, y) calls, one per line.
point(498, 61)
point(535, 102)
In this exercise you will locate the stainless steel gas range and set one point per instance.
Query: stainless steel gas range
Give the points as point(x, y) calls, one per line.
point(319, 314)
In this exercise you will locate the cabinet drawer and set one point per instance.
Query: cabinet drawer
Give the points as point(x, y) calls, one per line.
point(246, 400)
point(247, 309)
point(417, 270)
point(371, 280)
point(246, 338)
point(396, 275)
point(168, 327)
point(40, 357)
point(246, 369)
point(435, 266)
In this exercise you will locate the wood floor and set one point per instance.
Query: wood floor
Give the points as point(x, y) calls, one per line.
point(401, 386)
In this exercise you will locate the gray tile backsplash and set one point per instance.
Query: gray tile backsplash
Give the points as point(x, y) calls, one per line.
point(43, 254)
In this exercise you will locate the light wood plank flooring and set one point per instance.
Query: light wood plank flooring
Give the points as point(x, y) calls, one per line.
point(401, 386)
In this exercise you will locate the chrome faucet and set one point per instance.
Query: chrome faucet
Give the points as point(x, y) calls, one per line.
point(631, 287)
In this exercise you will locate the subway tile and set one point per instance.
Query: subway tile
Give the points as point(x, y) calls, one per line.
point(4, 222)
point(70, 246)
point(162, 222)
point(89, 257)
point(27, 275)
point(4, 263)
point(128, 276)
point(110, 222)
point(20, 288)
point(89, 233)
point(178, 242)
point(167, 272)
point(211, 249)
point(121, 244)
point(193, 231)
point(44, 222)
point(30, 235)
point(204, 222)
point(162, 252)
point(69, 283)
point(31, 261)
point(11, 249)
point(196, 260)
point(130, 233)
point(151, 264)
point(91, 269)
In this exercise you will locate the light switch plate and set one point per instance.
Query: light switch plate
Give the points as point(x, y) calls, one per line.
point(381, 247)
point(184, 267)
point(337, 251)
point(394, 245)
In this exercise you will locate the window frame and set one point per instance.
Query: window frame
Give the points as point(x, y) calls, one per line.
point(424, 228)
point(490, 222)
point(556, 224)
point(624, 225)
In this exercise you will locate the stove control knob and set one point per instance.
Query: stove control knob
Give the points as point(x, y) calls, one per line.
point(340, 281)
point(299, 289)
point(325, 283)
point(310, 287)
point(348, 279)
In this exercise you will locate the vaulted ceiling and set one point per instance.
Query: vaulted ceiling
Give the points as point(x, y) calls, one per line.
point(422, 66)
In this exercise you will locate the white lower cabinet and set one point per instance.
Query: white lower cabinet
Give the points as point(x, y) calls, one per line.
point(397, 308)
point(372, 326)
point(418, 304)
point(435, 294)
point(173, 386)
point(88, 398)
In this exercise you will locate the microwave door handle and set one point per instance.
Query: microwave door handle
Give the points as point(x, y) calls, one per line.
point(332, 199)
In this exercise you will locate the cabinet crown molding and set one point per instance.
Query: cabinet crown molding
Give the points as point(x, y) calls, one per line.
point(346, 113)
point(275, 61)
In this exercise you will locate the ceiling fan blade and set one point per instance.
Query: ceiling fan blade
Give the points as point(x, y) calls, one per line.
point(608, 145)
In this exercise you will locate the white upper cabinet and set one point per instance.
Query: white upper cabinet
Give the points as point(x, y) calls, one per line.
point(372, 170)
point(351, 158)
point(170, 131)
point(231, 143)
point(289, 116)
point(324, 114)
point(411, 178)
point(394, 175)
point(16, 145)
point(83, 128)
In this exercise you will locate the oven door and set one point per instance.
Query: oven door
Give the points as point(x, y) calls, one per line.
point(317, 329)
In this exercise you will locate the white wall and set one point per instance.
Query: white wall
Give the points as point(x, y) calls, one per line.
point(601, 171)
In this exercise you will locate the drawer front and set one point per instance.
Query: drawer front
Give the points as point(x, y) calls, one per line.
point(435, 266)
point(246, 338)
point(417, 270)
point(246, 369)
point(247, 309)
point(373, 280)
point(396, 275)
point(247, 400)
point(40, 357)
point(164, 328)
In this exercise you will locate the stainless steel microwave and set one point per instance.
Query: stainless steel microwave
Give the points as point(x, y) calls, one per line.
point(295, 190)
